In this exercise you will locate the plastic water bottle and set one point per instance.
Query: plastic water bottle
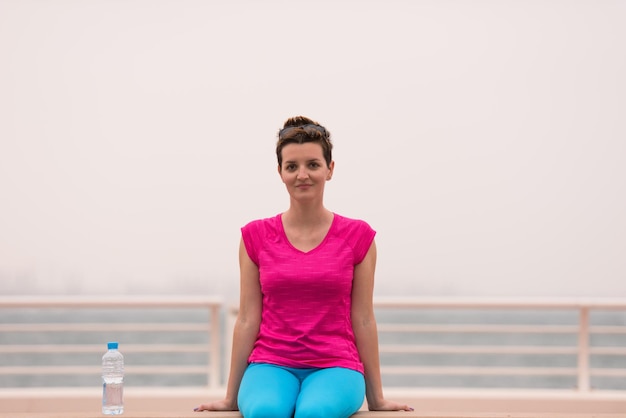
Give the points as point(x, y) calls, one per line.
point(112, 381)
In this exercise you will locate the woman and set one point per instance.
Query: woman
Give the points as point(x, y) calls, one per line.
point(305, 342)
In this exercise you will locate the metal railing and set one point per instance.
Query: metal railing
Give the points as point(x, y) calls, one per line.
point(39, 331)
point(409, 332)
point(578, 331)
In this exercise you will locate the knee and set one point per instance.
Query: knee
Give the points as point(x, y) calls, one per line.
point(266, 410)
point(319, 410)
point(314, 412)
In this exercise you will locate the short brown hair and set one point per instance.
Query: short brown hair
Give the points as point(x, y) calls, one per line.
point(299, 130)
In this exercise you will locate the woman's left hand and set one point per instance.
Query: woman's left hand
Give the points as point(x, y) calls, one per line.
point(390, 406)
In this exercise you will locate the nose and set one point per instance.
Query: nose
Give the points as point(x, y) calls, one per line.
point(303, 173)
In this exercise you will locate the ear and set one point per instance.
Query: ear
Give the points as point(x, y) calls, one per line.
point(331, 168)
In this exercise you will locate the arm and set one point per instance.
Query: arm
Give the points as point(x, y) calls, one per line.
point(366, 333)
point(245, 332)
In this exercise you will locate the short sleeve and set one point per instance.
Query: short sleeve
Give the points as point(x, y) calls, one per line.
point(358, 234)
point(250, 237)
point(364, 236)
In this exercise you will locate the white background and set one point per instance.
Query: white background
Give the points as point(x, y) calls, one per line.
point(485, 141)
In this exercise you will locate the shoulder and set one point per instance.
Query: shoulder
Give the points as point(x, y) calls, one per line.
point(357, 233)
point(351, 226)
point(256, 234)
point(262, 225)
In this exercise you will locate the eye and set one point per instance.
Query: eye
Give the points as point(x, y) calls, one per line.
point(290, 167)
point(314, 164)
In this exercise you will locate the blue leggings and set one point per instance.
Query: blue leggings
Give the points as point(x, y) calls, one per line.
point(269, 391)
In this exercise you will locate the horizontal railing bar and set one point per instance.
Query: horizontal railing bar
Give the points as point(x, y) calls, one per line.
point(608, 372)
point(384, 348)
point(607, 329)
point(467, 349)
point(500, 303)
point(484, 328)
point(86, 370)
point(478, 328)
point(380, 302)
point(480, 371)
point(110, 302)
point(397, 370)
point(608, 351)
point(96, 327)
point(87, 348)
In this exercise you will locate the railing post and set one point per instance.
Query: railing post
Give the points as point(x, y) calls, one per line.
point(231, 319)
point(583, 349)
point(215, 360)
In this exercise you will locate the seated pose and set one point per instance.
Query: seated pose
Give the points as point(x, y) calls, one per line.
point(305, 342)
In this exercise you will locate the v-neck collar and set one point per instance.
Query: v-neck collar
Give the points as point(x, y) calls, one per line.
point(322, 242)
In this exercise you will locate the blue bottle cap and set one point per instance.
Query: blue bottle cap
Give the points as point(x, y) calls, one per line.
point(112, 346)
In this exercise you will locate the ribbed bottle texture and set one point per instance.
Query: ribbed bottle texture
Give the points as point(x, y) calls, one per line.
point(112, 381)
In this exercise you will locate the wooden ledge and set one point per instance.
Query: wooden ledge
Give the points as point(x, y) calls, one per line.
point(179, 403)
point(361, 414)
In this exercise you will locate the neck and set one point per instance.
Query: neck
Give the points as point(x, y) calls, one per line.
point(307, 214)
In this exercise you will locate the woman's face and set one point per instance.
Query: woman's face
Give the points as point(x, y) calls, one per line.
point(304, 170)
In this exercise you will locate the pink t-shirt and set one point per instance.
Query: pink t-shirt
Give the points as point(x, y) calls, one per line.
point(307, 295)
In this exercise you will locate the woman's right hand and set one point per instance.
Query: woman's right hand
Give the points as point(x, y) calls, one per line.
point(222, 405)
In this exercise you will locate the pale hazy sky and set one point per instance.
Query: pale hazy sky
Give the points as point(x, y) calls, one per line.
point(485, 141)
